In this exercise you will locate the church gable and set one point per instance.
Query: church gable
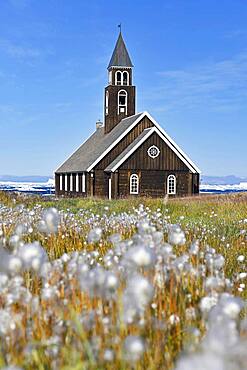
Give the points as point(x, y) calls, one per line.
point(169, 156)
point(154, 154)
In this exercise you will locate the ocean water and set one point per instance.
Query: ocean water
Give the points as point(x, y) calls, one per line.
point(47, 188)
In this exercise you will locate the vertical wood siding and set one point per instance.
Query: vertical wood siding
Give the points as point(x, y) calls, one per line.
point(166, 160)
point(126, 141)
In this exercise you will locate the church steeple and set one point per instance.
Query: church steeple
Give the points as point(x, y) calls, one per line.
point(120, 93)
point(120, 56)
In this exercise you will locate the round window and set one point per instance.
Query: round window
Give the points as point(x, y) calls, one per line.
point(153, 151)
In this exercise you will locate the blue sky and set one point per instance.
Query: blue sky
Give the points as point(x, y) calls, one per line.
point(190, 60)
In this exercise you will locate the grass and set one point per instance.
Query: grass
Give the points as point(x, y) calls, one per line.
point(216, 221)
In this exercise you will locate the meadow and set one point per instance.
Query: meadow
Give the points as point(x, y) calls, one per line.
point(123, 284)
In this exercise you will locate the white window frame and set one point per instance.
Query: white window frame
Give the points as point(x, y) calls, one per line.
point(71, 182)
point(134, 177)
point(83, 182)
point(66, 182)
point(125, 106)
point(127, 84)
point(150, 149)
point(77, 183)
point(110, 78)
point(121, 78)
point(107, 102)
point(109, 189)
point(121, 81)
point(174, 186)
point(61, 182)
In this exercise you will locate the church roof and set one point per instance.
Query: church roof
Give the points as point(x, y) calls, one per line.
point(91, 150)
point(99, 144)
point(120, 56)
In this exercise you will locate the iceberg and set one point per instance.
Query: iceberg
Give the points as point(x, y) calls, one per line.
point(209, 188)
point(43, 188)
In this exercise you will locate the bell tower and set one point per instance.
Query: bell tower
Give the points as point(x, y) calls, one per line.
point(120, 93)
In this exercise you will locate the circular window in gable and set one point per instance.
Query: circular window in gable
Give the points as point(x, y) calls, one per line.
point(153, 151)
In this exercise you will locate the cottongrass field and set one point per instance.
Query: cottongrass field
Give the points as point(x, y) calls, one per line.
point(126, 284)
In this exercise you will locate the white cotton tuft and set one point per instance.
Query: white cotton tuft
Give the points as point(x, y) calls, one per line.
point(134, 348)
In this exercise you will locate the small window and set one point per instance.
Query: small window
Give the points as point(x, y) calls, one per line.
point(71, 182)
point(125, 78)
point(83, 182)
point(66, 182)
point(122, 102)
point(134, 184)
point(153, 151)
point(110, 77)
point(122, 99)
point(61, 182)
point(118, 78)
point(107, 103)
point(171, 184)
point(77, 183)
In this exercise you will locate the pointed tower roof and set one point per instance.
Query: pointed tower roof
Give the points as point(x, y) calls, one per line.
point(120, 56)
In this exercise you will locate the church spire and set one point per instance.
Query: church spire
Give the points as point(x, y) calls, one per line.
point(120, 92)
point(120, 56)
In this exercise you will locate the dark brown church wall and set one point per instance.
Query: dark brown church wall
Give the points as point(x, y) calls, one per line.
point(153, 183)
point(113, 118)
point(101, 183)
point(183, 181)
point(167, 159)
point(196, 183)
point(115, 186)
point(123, 183)
point(126, 141)
point(57, 184)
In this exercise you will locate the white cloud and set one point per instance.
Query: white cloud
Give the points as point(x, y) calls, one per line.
point(217, 85)
point(18, 51)
point(6, 108)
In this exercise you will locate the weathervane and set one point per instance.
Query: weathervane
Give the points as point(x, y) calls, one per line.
point(120, 27)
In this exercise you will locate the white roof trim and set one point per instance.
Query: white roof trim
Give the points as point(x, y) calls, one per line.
point(120, 67)
point(151, 130)
point(116, 141)
point(192, 164)
point(164, 138)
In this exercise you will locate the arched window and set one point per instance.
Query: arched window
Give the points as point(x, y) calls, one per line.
point(171, 184)
point(122, 101)
point(125, 78)
point(134, 184)
point(106, 102)
point(118, 78)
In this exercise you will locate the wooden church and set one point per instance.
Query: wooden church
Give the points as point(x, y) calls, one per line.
point(131, 154)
